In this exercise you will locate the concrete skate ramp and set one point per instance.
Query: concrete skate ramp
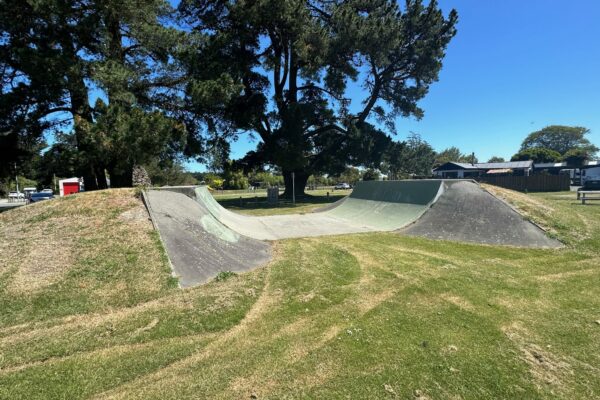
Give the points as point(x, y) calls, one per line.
point(467, 213)
point(199, 246)
point(372, 206)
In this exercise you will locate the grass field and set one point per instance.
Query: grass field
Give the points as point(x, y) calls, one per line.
point(88, 309)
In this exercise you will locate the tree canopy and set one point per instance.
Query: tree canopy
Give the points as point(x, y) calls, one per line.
point(129, 82)
point(285, 68)
point(415, 157)
point(453, 154)
point(538, 155)
point(57, 54)
point(560, 139)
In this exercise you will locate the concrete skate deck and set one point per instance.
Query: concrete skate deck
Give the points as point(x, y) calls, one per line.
point(203, 238)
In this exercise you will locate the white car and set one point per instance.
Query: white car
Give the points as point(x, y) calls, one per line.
point(342, 186)
point(16, 196)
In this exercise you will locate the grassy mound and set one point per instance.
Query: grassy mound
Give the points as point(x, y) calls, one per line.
point(356, 316)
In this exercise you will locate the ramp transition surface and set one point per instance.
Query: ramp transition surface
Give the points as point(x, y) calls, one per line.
point(372, 206)
point(467, 213)
point(203, 238)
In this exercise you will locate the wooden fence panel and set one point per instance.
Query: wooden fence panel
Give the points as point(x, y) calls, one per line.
point(532, 183)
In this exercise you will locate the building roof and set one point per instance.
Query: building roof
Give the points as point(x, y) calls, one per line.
point(499, 165)
point(508, 164)
point(550, 165)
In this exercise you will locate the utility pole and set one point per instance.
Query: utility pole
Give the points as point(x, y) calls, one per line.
point(17, 177)
point(293, 188)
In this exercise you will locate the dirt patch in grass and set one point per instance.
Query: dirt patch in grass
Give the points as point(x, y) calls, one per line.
point(40, 262)
point(138, 216)
point(549, 371)
point(569, 274)
point(458, 301)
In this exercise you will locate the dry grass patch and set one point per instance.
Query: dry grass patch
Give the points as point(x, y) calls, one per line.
point(548, 370)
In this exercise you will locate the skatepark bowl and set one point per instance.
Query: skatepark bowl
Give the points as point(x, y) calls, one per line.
point(202, 238)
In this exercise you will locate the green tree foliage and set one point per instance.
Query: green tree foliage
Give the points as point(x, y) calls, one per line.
point(53, 52)
point(59, 161)
point(320, 180)
point(538, 155)
point(265, 179)
point(124, 136)
point(560, 139)
point(576, 157)
point(415, 157)
point(280, 69)
point(234, 178)
point(213, 180)
point(453, 154)
point(371, 174)
point(496, 159)
point(169, 173)
point(351, 175)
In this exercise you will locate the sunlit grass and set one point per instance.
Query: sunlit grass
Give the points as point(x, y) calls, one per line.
point(357, 316)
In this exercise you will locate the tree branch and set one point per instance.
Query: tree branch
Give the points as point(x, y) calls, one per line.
point(373, 97)
point(325, 128)
point(321, 89)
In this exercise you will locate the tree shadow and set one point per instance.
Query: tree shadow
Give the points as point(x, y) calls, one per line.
point(261, 202)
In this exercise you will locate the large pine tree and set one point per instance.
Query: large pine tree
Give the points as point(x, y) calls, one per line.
point(284, 69)
point(56, 55)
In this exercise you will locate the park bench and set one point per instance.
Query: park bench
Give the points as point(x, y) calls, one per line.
point(588, 195)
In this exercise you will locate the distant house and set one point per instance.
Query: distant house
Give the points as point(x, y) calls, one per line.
point(455, 170)
point(552, 168)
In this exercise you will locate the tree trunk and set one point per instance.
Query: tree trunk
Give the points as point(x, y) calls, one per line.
point(93, 175)
point(298, 183)
point(120, 178)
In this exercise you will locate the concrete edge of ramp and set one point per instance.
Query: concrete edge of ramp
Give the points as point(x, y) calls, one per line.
point(197, 245)
point(468, 213)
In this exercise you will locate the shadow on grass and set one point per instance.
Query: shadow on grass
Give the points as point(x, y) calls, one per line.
point(261, 203)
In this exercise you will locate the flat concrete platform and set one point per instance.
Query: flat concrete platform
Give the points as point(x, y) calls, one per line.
point(203, 238)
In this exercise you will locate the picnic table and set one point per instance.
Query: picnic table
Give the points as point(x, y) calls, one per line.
point(588, 195)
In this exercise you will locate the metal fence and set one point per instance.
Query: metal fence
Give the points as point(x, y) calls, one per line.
point(532, 183)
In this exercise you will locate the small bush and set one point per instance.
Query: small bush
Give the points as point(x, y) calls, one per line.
point(224, 275)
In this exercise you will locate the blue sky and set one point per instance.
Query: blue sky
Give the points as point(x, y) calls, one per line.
point(514, 67)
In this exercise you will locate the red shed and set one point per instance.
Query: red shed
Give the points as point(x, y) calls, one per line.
point(68, 186)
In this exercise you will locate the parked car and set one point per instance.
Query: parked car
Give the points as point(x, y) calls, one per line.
point(16, 196)
point(591, 178)
point(342, 186)
point(35, 197)
point(48, 191)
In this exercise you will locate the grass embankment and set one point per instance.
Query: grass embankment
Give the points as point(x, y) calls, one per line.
point(356, 316)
